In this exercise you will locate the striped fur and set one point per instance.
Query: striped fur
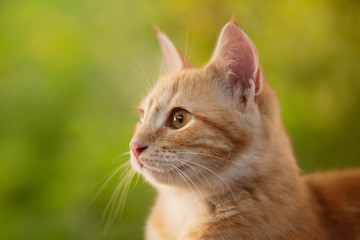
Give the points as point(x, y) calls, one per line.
point(230, 173)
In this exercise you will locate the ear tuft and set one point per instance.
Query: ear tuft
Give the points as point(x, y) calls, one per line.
point(233, 18)
point(157, 29)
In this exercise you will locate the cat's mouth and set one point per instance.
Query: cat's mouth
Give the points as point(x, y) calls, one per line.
point(159, 168)
point(151, 165)
point(164, 171)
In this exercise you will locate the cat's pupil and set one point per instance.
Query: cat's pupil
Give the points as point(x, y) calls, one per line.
point(181, 118)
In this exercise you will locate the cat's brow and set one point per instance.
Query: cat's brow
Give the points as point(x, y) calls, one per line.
point(160, 108)
point(173, 91)
point(151, 101)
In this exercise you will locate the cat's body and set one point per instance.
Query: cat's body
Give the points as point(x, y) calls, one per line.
point(212, 142)
point(320, 211)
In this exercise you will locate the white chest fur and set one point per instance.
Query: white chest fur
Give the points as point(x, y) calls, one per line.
point(182, 211)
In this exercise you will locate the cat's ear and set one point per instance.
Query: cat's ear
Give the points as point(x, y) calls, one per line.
point(236, 55)
point(174, 59)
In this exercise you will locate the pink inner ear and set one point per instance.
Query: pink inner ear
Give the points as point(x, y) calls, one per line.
point(239, 53)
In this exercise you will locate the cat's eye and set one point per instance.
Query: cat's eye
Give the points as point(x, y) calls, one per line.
point(179, 118)
point(141, 113)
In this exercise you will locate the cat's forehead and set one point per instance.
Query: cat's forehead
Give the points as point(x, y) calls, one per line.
point(170, 90)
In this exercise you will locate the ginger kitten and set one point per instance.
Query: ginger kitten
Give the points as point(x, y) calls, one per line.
point(211, 140)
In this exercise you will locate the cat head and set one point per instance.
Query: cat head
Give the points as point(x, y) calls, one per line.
point(203, 127)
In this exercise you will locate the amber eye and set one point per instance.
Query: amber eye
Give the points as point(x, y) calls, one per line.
point(179, 118)
point(141, 113)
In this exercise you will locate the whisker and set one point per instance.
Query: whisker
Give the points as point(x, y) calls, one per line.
point(114, 195)
point(216, 174)
point(186, 49)
point(210, 155)
point(169, 175)
point(192, 182)
point(121, 201)
point(133, 91)
point(193, 168)
point(196, 171)
point(122, 156)
point(204, 154)
point(117, 201)
point(137, 179)
point(151, 72)
point(184, 174)
point(146, 78)
point(179, 172)
point(110, 176)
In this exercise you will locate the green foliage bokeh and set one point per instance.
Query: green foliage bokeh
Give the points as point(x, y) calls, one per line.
point(71, 73)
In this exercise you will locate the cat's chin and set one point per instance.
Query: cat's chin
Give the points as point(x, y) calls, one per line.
point(157, 177)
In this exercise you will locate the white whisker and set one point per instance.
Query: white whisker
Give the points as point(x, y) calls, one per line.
point(114, 195)
point(211, 171)
point(137, 179)
point(121, 201)
point(142, 74)
point(186, 49)
point(204, 154)
point(179, 172)
point(147, 81)
point(123, 156)
point(196, 171)
point(112, 174)
point(123, 187)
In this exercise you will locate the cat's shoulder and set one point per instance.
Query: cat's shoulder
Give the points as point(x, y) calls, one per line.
point(332, 179)
point(336, 195)
point(344, 183)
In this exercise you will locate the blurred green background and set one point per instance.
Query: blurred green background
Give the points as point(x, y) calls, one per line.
point(71, 73)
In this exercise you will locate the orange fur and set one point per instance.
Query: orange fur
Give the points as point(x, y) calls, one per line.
point(230, 173)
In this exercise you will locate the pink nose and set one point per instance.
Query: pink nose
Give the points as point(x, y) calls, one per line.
point(137, 149)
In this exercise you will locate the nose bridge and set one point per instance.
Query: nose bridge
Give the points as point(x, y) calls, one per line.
point(158, 111)
point(154, 119)
point(142, 136)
